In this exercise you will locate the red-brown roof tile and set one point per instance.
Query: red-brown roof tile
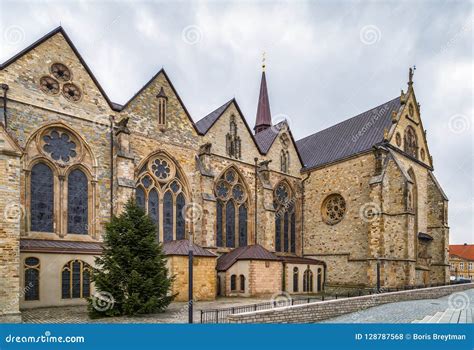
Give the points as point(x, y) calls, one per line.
point(465, 251)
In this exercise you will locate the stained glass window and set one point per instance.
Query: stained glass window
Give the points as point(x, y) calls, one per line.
point(230, 224)
point(140, 197)
point(168, 216)
point(242, 283)
point(219, 240)
point(231, 210)
point(42, 198)
point(161, 169)
point(293, 233)
point(308, 280)
point(32, 270)
point(242, 226)
point(285, 232)
point(233, 282)
point(285, 219)
point(75, 280)
point(295, 279)
point(77, 202)
point(180, 227)
point(59, 146)
point(153, 206)
point(277, 233)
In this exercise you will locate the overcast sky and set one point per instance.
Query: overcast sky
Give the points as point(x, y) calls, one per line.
point(326, 61)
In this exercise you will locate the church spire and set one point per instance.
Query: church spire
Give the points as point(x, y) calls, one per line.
point(264, 117)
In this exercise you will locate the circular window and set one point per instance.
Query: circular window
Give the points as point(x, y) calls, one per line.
point(398, 139)
point(222, 190)
point(333, 209)
point(49, 85)
point(61, 72)
point(71, 92)
point(238, 193)
point(422, 154)
point(59, 146)
point(163, 169)
point(230, 176)
point(282, 194)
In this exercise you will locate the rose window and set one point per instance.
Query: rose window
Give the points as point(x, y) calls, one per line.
point(59, 146)
point(333, 209)
point(71, 92)
point(49, 85)
point(282, 193)
point(60, 72)
point(161, 169)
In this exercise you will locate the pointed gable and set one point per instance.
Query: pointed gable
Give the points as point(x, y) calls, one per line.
point(408, 123)
point(28, 69)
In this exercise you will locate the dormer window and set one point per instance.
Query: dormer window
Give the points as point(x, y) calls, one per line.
point(162, 108)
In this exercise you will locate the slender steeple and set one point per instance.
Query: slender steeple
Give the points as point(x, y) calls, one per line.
point(264, 116)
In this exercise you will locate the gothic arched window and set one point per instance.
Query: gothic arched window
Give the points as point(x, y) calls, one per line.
point(284, 161)
point(161, 193)
point(231, 210)
point(232, 140)
point(295, 279)
point(32, 273)
point(285, 219)
point(42, 198)
point(75, 280)
point(242, 283)
point(410, 142)
point(308, 280)
point(77, 202)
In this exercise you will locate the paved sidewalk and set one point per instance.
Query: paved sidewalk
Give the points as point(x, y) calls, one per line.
point(408, 311)
point(177, 312)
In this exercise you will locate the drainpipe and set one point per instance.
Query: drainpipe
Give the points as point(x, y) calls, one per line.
point(5, 89)
point(255, 199)
point(302, 215)
point(112, 120)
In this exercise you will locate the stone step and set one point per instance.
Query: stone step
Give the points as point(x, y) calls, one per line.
point(447, 314)
point(455, 316)
point(463, 316)
point(436, 317)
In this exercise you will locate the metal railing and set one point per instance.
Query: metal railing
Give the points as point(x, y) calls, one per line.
point(220, 315)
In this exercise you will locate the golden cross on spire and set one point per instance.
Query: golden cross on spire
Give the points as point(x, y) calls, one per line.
point(263, 61)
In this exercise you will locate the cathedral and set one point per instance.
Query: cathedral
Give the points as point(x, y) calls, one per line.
point(345, 207)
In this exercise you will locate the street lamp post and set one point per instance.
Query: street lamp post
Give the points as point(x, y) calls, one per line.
point(190, 280)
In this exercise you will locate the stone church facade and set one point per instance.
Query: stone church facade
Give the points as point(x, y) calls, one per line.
point(263, 213)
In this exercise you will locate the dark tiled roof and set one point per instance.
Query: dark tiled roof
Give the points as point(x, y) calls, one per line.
point(57, 246)
point(181, 247)
point(250, 252)
point(205, 123)
point(352, 136)
point(266, 137)
point(301, 260)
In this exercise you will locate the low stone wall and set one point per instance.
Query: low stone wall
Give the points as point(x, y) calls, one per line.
point(314, 312)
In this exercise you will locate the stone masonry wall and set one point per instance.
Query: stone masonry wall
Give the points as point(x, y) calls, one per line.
point(314, 312)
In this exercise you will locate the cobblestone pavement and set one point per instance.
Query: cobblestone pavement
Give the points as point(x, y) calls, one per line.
point(407, 311)
point(176, 313)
